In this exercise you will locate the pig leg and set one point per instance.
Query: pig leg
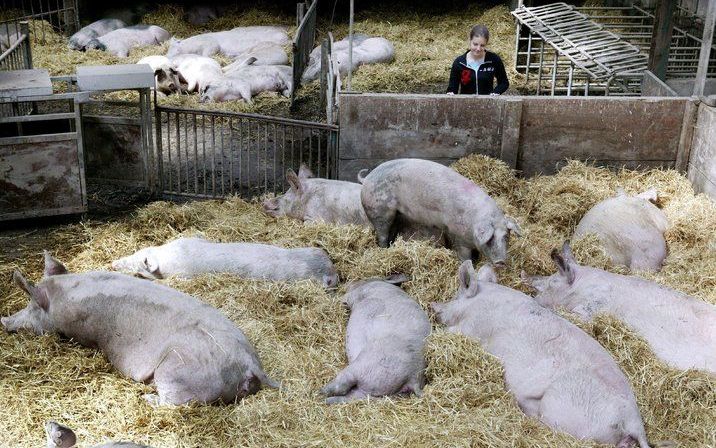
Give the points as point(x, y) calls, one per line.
point(354, 394)
point(385, 226)
point(464, 252)
point(342, 384)
point(181, 378)
point(414, 386)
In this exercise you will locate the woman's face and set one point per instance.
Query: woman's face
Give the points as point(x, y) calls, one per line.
point(478, 44)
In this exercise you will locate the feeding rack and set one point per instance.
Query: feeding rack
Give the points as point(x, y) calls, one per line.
point(577, 54)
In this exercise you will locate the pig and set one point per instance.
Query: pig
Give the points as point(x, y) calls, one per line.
point(149, 332)
point(59, 436)
point(369, 51)
point(630, 228)
point(680, 329)
point(432, 195)
point(190, 257)
point(82, 38)
point(197, 71)
point(230, 43)
point(263, 53)
point(247, 82)
point(119, 42)
point(339, 45)
point(167, 79)
point(385, 339)
point(201, 15)
point(557, 373)
point(332, 201)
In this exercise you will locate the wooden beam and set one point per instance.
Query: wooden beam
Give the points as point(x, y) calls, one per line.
point(661, 38)
point(705, 54)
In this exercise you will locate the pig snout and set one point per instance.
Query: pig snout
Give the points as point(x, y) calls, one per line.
point(5, 321)
point(270, 206)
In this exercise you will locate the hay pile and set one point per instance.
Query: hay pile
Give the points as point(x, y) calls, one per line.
point(298, 329)
point(425, 46)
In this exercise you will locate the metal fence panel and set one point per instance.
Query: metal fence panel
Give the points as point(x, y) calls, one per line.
point(206, 154)
point(60, 16)
point(303, 45)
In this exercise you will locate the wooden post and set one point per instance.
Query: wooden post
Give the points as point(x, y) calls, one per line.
point(705, 54)
point(511, 122)
point(300, 11)
point(661, 38)
point(25, 30)
point(350, 48)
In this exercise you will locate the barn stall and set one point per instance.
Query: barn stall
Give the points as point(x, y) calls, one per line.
point(298, 329)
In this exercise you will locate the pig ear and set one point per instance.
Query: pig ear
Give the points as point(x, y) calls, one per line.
point(565, 269)
point(486, 274)
point(468, 278)
point(513, 226)
point(36, 294)
point(567, 253)
point(651, 195)
point(397, 279)
point(52, 266)
point(483, 234)
point(152, 266)
point(305, 172)
point(293, 180)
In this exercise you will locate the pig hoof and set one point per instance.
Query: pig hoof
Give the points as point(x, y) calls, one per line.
point(153, 400)
point(336, 400)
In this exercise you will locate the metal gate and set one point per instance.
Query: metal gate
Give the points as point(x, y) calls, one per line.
point(45, 16)
point(209, 154)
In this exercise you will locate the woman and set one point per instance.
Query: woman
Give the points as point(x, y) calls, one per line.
point(475, 71)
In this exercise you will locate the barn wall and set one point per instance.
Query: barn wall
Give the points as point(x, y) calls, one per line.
point(702, 163)
point(532, 134)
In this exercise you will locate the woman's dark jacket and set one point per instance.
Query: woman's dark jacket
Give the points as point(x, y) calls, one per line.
point(462, 77)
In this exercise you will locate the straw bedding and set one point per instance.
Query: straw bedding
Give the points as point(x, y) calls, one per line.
point(299, 329)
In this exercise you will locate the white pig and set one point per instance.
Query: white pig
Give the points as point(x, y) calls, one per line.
point(82, 38)
point(373, 50)
point(230, 43)
point(119, 42)
point(385, 338)
point(189, 257)
point(263, 53)
point(197, 71)
point(148, 332)
point(59, 436)
point(247, 82)
point(630, 228)
point(557, 373)
point(432, 195)
point(680, 329)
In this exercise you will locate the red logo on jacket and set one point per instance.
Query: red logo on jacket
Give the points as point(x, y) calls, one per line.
point(465, 76)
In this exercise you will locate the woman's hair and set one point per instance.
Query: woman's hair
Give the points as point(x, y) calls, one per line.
point(480, 31)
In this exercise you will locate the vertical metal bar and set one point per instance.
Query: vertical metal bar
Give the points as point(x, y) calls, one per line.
point(529, 56)
point(265, 157)
point(706, 42)
point(231, 155)
point(293, 146)
point(223, 158)
point(283, 156)
point(569, 81)
point(178, 143)
point(186, 153)
point(213, 158)
point(319, 153)
point(300, 147)
point(160, 155)
point(203, 152)
point(196, 156)
point(169, 149)
point(541, 66)
point(310, 148)
point(586, 87)
point(248, 155)
point(554, 72)
point(240, 150)
point(350, 47)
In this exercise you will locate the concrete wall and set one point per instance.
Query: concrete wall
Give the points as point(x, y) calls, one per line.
point(532, 134)
point(685, 86)
point(702, 162)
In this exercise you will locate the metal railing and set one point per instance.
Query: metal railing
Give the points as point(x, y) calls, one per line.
point(330, 80)
point(303, 43)
point(18, 55)
point(203, 154)
point(43, 15)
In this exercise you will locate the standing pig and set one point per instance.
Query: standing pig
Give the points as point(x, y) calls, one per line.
point(189, 257)
point(385, 337)
point(148, 331)
point(433, 195)
point(82, 38)
point(197, 71)
point(249, 81)
point(332, 201)
point(229, 43)
point(630, 228)
point(557, 373)
point(119, 42)
point(59, 436)
point(681, 330)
